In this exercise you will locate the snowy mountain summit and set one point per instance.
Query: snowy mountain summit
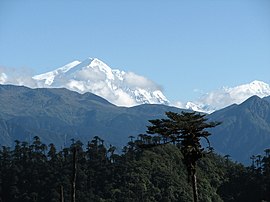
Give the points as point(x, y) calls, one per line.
point(129, 89)
point(93, 75)
point(226, 96)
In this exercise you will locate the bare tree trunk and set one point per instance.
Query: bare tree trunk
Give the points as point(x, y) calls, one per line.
point(61, 193)
point(194, 186)
point(74, 171)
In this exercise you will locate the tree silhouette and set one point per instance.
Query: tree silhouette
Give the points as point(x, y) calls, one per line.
point(184, 130)
point(227, 157)
point(131, 138)
point(111, 151)
point(267, 152)
point(74, 175)
point(253, 158)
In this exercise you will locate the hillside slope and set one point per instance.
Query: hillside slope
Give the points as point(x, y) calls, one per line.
point(58, 115)
point(245, 129)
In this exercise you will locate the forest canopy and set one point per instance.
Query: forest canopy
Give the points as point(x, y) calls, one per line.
point(38, 172)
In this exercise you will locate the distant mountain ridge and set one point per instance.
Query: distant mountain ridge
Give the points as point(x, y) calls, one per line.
point(58, 115)
point(245, 128)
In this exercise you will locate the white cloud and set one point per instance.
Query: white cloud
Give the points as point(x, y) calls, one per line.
point(133, 80)
point(123, 99)
point(217, 99)
point(179, 104)
point(100, 88)
point(16, 77)
point(91, 74)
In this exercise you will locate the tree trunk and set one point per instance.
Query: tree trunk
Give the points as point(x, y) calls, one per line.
point(61, 193)
point(194, 186)
point(74, 171)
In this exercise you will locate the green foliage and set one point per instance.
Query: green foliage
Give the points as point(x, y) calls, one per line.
point(35, 172)
point(186, 130)
point(247, 183)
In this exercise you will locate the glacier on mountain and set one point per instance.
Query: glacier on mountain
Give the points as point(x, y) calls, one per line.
point(93, 75)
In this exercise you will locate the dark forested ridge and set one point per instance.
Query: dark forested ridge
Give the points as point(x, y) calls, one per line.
point(38, 172)
point(245, 129)
point(57, 115)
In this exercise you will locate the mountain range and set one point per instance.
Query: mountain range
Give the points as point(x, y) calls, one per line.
point(129, 89)
point(57, 115)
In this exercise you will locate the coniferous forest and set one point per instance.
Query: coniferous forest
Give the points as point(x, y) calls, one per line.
point(167, 164)
point(38, 172)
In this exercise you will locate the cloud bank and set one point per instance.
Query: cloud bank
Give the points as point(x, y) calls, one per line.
point(17, 77)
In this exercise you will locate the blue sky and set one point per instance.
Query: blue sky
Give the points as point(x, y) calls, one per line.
point(188, 47)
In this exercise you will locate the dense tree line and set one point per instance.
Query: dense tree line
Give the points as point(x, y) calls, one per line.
point(157, 166)
point(38, 172)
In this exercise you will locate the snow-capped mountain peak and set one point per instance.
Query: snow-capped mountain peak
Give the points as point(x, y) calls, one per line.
point(93, 75)
point(128, 89)
point(96, 63)
point(226, 96)
point(48, 77)
point(258, 88)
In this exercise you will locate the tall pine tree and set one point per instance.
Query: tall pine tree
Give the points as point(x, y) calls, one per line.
point(184, 130)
